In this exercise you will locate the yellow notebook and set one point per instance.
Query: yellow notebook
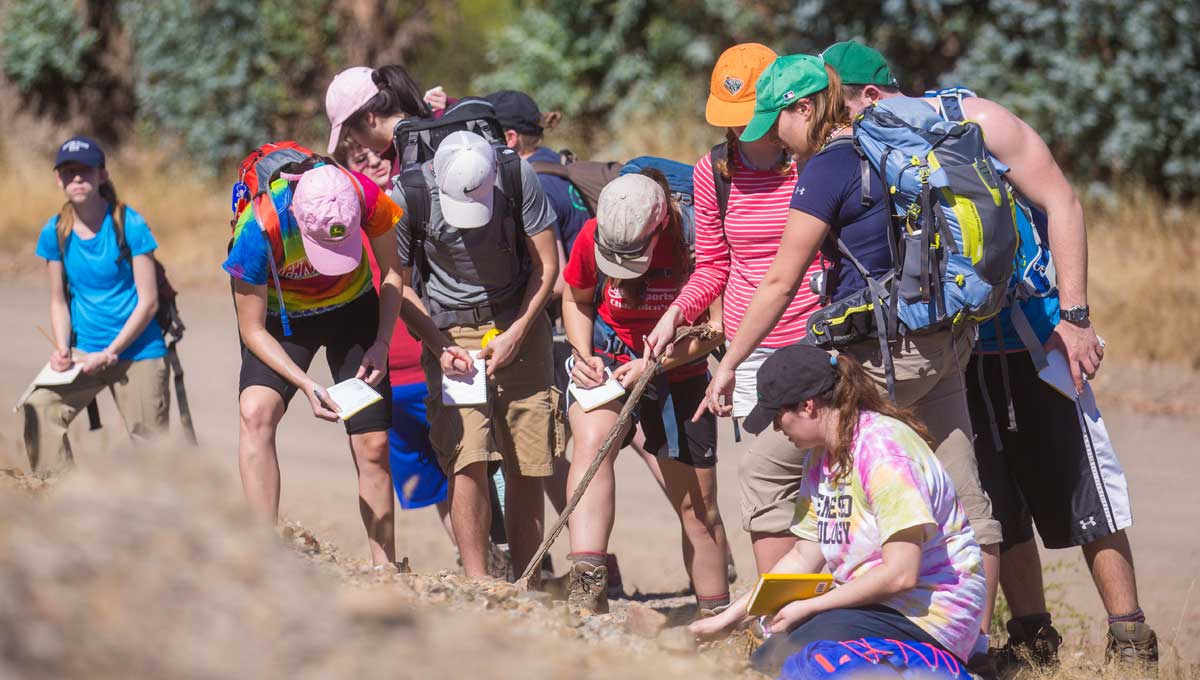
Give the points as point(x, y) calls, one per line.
point(775, 590)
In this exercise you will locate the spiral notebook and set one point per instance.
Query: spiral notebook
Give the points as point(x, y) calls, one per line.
point(352, 396)
point(589, 398)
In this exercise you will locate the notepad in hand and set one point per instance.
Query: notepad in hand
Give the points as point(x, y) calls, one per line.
point(48, 377)
point(352, 396)
point(776, 590)
point(1057, 374)
point(466, 390)
point(591, 397)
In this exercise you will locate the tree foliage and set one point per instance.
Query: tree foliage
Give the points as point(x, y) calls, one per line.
point(43, 44)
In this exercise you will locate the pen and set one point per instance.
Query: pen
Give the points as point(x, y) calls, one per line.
point(317, 394)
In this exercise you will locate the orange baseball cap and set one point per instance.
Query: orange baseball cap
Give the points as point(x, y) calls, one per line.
point(731, 91)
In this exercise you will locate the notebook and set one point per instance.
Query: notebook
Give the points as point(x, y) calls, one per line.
point(352, 396)
point(467, 390)
point(591, 397)
point(1057, 374)
point(49, 377)
point(776, 590)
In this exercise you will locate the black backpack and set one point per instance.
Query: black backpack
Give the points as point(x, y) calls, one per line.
point(167, 317)
point(416, 140)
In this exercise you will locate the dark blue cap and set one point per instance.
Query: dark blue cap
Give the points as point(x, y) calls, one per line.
point(790, 376)
point(80, 149)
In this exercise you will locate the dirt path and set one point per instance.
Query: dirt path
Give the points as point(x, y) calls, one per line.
point(1159, 453)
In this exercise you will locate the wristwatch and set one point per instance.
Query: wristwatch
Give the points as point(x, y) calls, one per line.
point(1076, 315)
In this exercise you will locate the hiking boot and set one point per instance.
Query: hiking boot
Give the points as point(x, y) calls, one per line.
point(587, 588)
point(616, 589)
point(500, 562)
point(1133, 645)
point(704, 613)
point(1028, 648)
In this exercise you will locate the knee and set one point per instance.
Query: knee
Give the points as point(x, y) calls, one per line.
point(372, 448)
point(259, 416)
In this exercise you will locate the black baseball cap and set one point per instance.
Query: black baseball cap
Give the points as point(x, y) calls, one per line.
point(788, 377)
point(80, 149)
point(517, 111)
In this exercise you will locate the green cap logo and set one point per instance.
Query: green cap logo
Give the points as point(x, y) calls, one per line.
point(337, 230)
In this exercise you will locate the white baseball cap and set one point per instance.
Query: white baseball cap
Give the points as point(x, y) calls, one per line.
point(464, 168)
point(628, 216)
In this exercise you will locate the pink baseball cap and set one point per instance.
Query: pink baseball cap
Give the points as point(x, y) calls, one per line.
point(349, 91)
point(329, 214)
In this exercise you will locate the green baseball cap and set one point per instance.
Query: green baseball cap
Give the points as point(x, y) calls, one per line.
point(857, 64)
point(785, 81)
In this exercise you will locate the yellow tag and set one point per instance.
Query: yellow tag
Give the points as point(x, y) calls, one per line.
point(488, 337)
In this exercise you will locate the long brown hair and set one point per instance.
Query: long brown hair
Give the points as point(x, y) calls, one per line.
point(727, 164)
point(854, 393)
point(633, 290)
point(66, 216)
point(829, 112)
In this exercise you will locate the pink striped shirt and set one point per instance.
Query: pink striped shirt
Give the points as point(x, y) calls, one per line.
point(733, 259)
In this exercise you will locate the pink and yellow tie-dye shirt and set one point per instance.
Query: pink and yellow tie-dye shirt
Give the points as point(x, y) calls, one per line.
point(897, 484)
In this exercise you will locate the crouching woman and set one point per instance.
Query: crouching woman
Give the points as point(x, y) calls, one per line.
point(876, 507)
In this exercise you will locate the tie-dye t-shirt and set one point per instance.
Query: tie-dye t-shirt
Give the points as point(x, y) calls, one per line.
point(305, 291)
point(897, 484)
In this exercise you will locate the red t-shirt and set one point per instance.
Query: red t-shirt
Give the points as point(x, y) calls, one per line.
point(631, 322)
point(404, 354)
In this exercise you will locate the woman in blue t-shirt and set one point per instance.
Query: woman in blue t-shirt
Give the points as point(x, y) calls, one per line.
point(103, 296)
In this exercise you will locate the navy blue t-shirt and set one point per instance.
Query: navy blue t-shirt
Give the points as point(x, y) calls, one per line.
point(830, 189)
point(568, 204)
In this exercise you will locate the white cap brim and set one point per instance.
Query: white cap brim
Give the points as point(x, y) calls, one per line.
point(467, 214)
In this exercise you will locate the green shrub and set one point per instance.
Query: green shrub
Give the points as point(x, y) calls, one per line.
point(43, 43)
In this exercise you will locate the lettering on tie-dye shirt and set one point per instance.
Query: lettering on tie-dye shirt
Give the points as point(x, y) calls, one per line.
point(896, 483)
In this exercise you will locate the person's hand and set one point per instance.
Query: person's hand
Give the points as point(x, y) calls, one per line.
point(629, 372)
point(456, 362)
point(60, 360)
point(662, 338)
point(1082, 348)
point(588, 372)
point(374, 363)
point(718, 398)
point(792, 615)
point(436, 98)
point(717, 626)
point(96, 362)
point(323, 406)
point(501, 351)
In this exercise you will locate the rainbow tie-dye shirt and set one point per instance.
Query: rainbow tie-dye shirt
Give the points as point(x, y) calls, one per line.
point(305, 292)
point(897, 484)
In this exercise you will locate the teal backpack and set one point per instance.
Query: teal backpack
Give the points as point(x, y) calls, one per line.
point(953, 236)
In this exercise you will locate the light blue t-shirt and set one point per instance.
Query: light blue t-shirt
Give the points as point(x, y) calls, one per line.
point(102, 291)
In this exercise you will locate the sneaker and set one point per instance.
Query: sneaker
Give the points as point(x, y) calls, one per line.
point(1027, 649)
point(1133, 645)
point(587, 588)
point(616, 589)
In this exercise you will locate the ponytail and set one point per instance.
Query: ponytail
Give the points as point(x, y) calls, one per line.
point(108, 191)
point(398, 94)
point(854, 393)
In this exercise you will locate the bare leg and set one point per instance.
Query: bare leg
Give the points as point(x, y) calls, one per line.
point(1111, 562)
point(591, 523)
point(471, 515)
point(693, 495)
point(991, 574)
point(260, 410)
point(525, 513)
point(769, 548)
point(376, 502)
point(556, 484)
point(443, 511)
point(1021, 579)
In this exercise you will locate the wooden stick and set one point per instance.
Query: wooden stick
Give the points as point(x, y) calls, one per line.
point(611, 442)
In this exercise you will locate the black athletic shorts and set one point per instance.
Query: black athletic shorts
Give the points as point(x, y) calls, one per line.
point(1057, 469)
point(346, 333)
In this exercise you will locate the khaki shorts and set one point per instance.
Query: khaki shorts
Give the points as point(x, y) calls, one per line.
point(520, 426)
point(929, 377)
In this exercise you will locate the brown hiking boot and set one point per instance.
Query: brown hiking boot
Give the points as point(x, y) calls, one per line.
point(1134, 646)
point(1027, 649)
point(587, 588)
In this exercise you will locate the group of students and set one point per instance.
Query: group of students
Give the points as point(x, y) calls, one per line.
point(865, 464)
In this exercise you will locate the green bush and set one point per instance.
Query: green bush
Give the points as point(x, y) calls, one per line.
point(43, 43)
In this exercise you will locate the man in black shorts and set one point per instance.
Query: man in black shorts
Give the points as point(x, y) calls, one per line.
point(321, 296)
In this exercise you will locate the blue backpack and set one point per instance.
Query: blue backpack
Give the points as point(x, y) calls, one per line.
point(872, 658)
point(679, 177)
point(953, 235)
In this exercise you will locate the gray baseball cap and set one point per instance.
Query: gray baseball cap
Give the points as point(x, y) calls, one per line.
point(628, 216)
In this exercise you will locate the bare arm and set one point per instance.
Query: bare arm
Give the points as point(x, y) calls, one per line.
point(560, 285)
point(695, 348)
point(1033, 171)
point(250, 301)
point(391, 291)
point(60, 317)
point(579, 315)
point(543, 251)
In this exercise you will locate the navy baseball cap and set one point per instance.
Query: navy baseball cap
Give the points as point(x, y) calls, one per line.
point(80, 149)
point(788, 377)
point(517, 111)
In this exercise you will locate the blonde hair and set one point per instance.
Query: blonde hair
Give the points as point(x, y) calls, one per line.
point(66, 216)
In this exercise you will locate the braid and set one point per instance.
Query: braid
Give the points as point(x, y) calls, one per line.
point(726, 165)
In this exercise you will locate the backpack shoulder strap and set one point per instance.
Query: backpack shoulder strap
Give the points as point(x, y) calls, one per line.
point(951, 99)
point(722, 185)
point(511, 186)
point(418, 204)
